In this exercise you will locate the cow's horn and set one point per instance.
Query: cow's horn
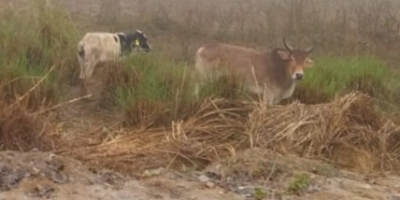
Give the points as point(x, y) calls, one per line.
point(310, 49)
point(288, 47)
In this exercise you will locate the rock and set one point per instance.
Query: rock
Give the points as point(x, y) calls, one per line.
point(355, 184)
point(245, 191)
point(395, 197)
point(35, 171)
point(153, 172)
point(10, 178)
point(203, 178)
point(221, 191)
point(42, 191)
point(210, 184)
point(213, 175)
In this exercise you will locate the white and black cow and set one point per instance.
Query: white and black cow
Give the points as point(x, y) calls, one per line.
point(96, 47)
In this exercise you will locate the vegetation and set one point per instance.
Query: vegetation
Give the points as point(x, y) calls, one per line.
point(335, 76)
point(259, 194)
point(161, 117)
point(299, 183)
point(32, 43)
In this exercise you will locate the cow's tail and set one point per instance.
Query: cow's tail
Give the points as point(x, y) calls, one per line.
point(81, 58)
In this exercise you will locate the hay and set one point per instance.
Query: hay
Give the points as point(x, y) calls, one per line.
point(213, 131)
point(20, 131)
point(348, 131)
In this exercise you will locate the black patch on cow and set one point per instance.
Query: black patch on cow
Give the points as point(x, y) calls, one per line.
point(115, 39)
point(123, 41)
point(81, 52)
point(127, 41)
point(140, 37)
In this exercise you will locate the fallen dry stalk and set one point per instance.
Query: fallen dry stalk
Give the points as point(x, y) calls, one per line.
point(348, 131)
point(33, 87)
point(61, 104)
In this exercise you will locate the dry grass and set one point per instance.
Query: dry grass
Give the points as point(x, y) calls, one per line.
point(213, 131)
point(348, 131)
point(21, 131)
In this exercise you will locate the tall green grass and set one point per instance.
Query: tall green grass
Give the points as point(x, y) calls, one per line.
point(335, 76)
point(31, 43)
point(151, 88)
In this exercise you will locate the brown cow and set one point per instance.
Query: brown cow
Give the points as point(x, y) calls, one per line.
point(273, 74)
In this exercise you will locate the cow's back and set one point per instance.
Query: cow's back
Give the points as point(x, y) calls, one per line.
point(102, 45)
point(236, 59)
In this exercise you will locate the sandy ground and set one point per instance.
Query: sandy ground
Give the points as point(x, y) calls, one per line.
point(253, 174)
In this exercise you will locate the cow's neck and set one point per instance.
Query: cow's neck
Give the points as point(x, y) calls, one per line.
point(280, 77)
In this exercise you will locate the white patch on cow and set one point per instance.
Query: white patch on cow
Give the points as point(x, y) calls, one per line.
point(289, 92)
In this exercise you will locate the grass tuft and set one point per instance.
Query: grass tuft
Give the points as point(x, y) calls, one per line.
point(336, 76)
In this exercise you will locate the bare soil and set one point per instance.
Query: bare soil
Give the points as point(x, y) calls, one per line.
point(252, 174)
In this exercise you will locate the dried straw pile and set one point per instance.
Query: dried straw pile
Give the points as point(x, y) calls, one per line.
point(348, 131)
point(216, 129)
point(19, 130)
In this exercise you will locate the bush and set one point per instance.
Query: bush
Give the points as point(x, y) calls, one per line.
point(336, 76)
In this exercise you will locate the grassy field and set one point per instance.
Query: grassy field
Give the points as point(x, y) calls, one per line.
point(153, 91)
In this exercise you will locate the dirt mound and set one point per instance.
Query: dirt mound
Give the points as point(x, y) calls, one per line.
point(263, 174)
point(349, 126)
point(38, 175)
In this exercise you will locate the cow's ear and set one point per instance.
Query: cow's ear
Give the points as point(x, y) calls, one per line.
point(283, 54)
point(309, 63)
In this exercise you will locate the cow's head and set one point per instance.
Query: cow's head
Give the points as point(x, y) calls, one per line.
point(296, 60)
point(140, 41)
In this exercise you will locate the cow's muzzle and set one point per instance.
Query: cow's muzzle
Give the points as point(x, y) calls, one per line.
point(299, 76)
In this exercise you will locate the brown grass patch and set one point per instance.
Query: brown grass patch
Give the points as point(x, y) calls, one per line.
point(215, 130)
point(19, 130)
point(348, 131)
point(348, 127)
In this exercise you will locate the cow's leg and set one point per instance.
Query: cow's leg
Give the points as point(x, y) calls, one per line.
point(82, 65)
point(82, 76)
point(198, 78)
point(90, 65)
point(267, 96)
point(87, 66)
